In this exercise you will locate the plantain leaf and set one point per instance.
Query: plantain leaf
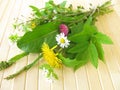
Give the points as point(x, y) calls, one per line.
point(103, 38)
point(32, 41)
point(93, 54)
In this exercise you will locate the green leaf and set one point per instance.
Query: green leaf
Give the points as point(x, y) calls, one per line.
point(76, 28)
point(67, 61)
point(83, 55)
point(93, 55)
point(88, 31)
point(62, 5)
point(72, 62)
point(32, 41)
point(103, 38)
point(80, 37)
point(81, 63)
point(100, 51)
point(35, 10)
point(81, 47)
point(49, 4)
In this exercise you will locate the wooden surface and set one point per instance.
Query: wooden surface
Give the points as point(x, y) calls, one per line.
point(106, 77)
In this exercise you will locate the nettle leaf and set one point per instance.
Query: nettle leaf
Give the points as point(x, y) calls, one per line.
point(93, 55)
point(72, 62)
point(80, 63)
point(100, 50)
point(80, 37)
point(77, 28)
point(103, 38)
point(67, 61)
point(83, 55)
point(32, 41)
point(88, 31)
point(81, 47)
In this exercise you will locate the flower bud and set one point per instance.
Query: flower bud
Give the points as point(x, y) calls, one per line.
point(64, 29)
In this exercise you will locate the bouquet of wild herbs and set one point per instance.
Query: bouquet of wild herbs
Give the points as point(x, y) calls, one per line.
point(61, 36)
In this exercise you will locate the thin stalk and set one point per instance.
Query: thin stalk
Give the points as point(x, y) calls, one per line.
point(6, 64)
point(25, 68)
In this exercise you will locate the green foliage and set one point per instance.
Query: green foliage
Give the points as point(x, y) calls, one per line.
point(79, 48)
point(101, 10)
point(72, 62)
point(32, 41)
point(100, 50)
point(76, 28)
point(14, 37)
point(93, 55)
point(88, 43)
point(103, 38)
point(35, 10)
point(85, 39)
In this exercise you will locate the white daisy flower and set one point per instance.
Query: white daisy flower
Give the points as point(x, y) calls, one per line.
point(62, 40)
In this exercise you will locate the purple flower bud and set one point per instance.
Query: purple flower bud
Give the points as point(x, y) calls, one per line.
point(64, 29)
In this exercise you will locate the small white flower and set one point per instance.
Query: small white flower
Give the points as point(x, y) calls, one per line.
point(62, 40)
point(45, 72)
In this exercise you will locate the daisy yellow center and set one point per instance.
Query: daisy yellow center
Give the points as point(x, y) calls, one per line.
point(62, 40)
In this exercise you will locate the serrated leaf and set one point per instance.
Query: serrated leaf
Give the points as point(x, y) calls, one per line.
point(100, 51)
point(103, 38)
point(81, 47)
point(77, 28)
point(88, 31)
point(67, 61)
point(72, 62)
point(80, 37)
point(81, 63)
point(93, 55)
point(83, 55)
point(89, 28)
point(32, 41)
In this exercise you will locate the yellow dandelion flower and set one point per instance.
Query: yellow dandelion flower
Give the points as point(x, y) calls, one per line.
point(50, 56)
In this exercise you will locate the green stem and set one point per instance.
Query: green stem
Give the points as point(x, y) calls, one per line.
point(25, 68)
point(6, 64)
